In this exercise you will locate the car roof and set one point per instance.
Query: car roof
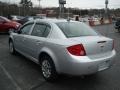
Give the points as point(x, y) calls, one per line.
point(53, 20)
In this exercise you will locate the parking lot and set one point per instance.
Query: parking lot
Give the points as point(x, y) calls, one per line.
point(18, 73)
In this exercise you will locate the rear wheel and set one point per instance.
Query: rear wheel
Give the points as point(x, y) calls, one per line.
point(48, 68)
point(11, 47)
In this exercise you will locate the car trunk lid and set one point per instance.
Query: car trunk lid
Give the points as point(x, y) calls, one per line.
point(94, 44)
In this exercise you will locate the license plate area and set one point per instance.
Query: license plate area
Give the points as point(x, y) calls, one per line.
point(104, 65)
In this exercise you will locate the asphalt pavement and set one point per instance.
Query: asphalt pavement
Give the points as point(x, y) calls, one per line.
point(19, 73)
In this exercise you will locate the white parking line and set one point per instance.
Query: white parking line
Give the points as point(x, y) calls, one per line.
point(10, 77)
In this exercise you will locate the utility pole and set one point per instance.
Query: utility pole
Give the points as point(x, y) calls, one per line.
point(19, 9)
point(9, 7)
point(106, 8)
point(30, 6)
point(106, 15)
point(39, 6)
point(61, 8)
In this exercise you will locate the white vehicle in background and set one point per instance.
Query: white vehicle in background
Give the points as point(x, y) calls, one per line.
point(16, 18)
point(84, 19)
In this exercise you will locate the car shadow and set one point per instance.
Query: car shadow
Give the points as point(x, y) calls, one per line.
point(64, 82)
point(4, 33)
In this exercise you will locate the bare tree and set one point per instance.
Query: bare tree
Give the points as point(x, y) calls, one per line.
point(27, 5)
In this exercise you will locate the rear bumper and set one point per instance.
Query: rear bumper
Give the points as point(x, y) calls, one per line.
point(86, 66)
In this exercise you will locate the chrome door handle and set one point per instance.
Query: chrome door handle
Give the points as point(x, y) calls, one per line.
point(38, 42)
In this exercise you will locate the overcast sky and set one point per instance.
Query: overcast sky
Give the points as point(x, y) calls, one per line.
point(83, 4)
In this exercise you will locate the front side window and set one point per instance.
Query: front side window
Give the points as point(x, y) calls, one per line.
point(41, 30)
point(76, 29)
point(26, 29)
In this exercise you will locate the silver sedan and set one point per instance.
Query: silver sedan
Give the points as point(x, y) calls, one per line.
point(63, 47)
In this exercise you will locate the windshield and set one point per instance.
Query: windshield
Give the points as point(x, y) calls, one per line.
point(76, 29)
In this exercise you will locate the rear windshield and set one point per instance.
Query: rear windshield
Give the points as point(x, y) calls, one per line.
point(76, 29)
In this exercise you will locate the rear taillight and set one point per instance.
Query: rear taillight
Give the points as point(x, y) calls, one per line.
point(77, 50)
point(113, 46)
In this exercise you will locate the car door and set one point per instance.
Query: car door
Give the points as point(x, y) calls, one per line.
point(21, 38)
point(36, 41)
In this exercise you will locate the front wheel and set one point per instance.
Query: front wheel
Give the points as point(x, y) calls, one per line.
point(11, 47)
point(48, 68)
point(119, 30)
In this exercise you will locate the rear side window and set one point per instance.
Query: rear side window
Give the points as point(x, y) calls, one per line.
point(41, 30)
point(76, 29)
point(45, 34)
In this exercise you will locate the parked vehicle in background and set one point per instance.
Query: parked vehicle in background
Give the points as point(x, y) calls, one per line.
point(84, 19)
point(25, 19)
point(7, 25)
point(16, 18)
point(117, 24)
point(39, 17)
point(29, 18)
point(63, 47)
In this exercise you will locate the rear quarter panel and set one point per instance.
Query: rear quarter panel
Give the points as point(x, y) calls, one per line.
point(56, 49)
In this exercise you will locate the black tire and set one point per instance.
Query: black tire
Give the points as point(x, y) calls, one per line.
point(52, 75)
point(11, 47)
point(119, 30)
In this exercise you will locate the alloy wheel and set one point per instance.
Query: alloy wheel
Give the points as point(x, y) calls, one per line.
point(46, 68)
point(11, 48)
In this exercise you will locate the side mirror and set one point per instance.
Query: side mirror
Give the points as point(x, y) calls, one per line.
point(19, 31)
